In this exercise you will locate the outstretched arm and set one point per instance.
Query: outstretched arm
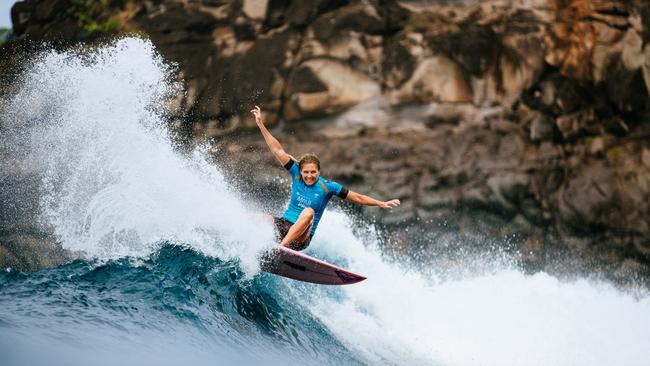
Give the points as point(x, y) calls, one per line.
point(272, 142)
point(369, 201)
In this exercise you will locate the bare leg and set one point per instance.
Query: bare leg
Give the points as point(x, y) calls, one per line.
point(300, 230)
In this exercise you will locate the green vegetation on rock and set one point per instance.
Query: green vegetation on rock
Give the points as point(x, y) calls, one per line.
point(91, 17)
point(4, 32)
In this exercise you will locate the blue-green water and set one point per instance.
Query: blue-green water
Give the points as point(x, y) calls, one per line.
point(172, 307)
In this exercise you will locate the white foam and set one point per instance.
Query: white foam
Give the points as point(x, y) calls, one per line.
point(113, 183)
point(500, 318)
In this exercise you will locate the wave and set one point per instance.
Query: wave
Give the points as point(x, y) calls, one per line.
point(93, 126)
point(170, 272)
point(175, 306)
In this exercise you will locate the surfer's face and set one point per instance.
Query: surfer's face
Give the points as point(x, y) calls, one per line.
point(309, 173)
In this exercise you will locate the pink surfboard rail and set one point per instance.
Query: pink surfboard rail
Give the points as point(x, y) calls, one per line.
point(289, 263)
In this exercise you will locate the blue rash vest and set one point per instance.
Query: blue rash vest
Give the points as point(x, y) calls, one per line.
point(315, 196)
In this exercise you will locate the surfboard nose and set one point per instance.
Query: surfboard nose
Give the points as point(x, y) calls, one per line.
point(349, 278)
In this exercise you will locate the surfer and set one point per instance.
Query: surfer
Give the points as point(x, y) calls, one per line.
point(310, 193)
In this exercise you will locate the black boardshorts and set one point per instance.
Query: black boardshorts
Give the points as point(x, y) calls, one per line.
point(282, 227)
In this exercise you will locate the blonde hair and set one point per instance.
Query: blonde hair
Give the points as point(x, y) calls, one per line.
point(309, 158)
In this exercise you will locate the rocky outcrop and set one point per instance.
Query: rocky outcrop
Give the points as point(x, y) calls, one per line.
point(287, 56)
point(532, 115)
point(436, 78)
point(322, 87)
point(29, 252)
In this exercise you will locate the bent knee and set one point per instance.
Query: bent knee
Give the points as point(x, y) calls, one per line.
point(308, 213)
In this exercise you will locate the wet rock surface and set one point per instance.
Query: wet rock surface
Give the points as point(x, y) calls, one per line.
point(31, 252)
point(523, 120)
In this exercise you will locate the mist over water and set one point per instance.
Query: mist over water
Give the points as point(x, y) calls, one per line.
point(171, 270)
point(502, 317)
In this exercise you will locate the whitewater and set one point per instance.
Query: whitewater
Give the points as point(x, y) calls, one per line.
point(168, 270)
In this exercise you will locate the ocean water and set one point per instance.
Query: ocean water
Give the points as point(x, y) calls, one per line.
point(168, 251)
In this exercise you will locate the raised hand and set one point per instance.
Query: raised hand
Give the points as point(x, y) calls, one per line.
point(257, 112)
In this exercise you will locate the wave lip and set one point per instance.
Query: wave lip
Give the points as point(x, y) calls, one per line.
point(93, 126)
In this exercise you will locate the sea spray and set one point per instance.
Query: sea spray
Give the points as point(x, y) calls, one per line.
point(113, 184)
point(497, 317)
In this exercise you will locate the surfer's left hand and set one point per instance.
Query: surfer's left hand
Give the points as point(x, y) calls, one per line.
point(389, 204)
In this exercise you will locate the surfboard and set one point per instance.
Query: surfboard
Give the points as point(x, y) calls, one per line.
point(292, 264)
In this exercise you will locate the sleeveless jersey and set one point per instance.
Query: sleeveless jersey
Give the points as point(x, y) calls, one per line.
point(315, 196)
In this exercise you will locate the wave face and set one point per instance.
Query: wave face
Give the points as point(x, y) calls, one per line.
point(170, 271)
point(175, 307)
